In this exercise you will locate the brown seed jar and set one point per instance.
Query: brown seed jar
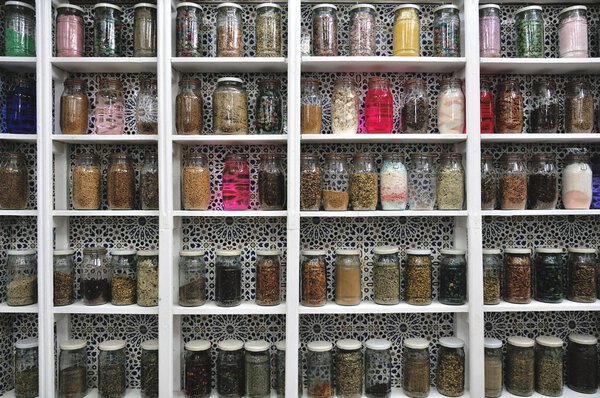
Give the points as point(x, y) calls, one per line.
point(313, 272)
point(188, 108)
point(311, 108)
point(74, 107)
point(14, 189)
point(582, 273)
point(268, 277)
point(513, 183)
point(87, 177)
point(120, 183)
point(509, 108)
point(195, 183)
point(229, 30)
point(418, 277)
point(324, 30)
point(310, 182)
point(518, 275)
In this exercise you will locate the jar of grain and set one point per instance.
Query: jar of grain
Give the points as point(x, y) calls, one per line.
point(349, 372)
point(123, 282)
point(418, 276)
point(577, 182)
point(509, 108)
point(513, 183)
point(74, 107)
point(517, 275)
point(230, 107)
point(347, 277)
point(86, 188)
point(228, 280)
point(573, 32)
point(311, 108)
point(120, 183)
point(335, 183)
point(271, 182)
point(147, 278)
point(386, 275)
point(188, 108)
point(26, 368)
point(324, 30)
point(269, 112)
point(21, 282)
point(407, 26)
point(453, 277)
point(110, 107)
point(229, 30)
point(72, 369)
point(14, 190)
point(378, 368)
point(95, 276)
point(313, 274)
point(451, 367)
point(415, 367)
point(149, 182)
point(144, 30)
point(542, 184)
point(492, 367)
point(362, 30)
point(451, 106)
point(394, 182)
point(520, 372)
point(192, 278)
point(197, 371)
point(107, 30)
point(257, 359)
point(19, 29)
point(230, 369)
point(489, 183)
point(415, 107)
point(319, 369)
point(310, 182)
point(549, 366)
point(364, 186)
point(446, 31)
point(529, 23)
point(582, 363)
point(149, 369)
point(112, 368)
point(582, 273)
point(450, 182)
point(69, 30)
point(579, 107)
point(188, 30)
point(146, 108)
point(268, 277)
point(344, 107)
point(422, 182)
point(195, 183)
point(63, 276)
point(492, 276)
point(549, 274)
point(267, 30)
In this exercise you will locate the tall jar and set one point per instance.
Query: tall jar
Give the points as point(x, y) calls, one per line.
point(236, 182)
point(582, 363)
point(518, 281)
point(446, 31)
point(195, 183)
point(110, 107)
point(487, 116)
point(21, 267)
point(421, 182)
point(492, 276)
point(197, 371)
point(230, 107)
point(378, 368)
point(489, 183)
point(311, 107)
point(268, 277)
point(549, 275)
point(450, 182)
point(95, 276)
point(19, 29)
point(394, 182)
point(229, 30)
point(579, 107)
point(72, 369)
point(20, 107)
point(188, 108)
point(577, 182)
point(349, 371)
point(269, 109)
point(271, 182)
point(415, 107)
point(228, 280)
point(192, 278)
point(347, 277)
point(123, 281)
point(418, 277)
point(313, 278)
point(544, 112)
point(280, 369)
point(513, 183)
point(344, 107)
point(310, 182)
point(107, 30)
point(530, 32)
point(149, 369)
point(319, 369)
point(451, 107)
point(26, 368)
point(451, 367)
point(112, 368)
point(147, 278)
point(149, 182)
point(453, 277)
point(146, 108)
point(379, 107)
point(267, 30)
point(582, 272)
point(509, 108)
point(74, 107)
point(63, 277)
point(415, 367)
point(336, 182)
point(489, 30)
point(70, 31)
point(14, 190)
point(258, 369)
point(120, 182)
point(407, 26)
point(364, 188)
point(386, 275)
point(492, 367)
point(324, 30)
point(520, 371)
point(362, 30)
point(542, 185)
point(549, 366)
point(188, 30)
point(144, 30)
point(573, 32)
point(230, 369)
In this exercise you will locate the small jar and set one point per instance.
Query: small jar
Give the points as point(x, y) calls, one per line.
point(492, 276)
point(146, 108)
point(451, 367)
point(347, 277)
point(520, 372)
point(364, 188)
point(258, 369)
point(107, 30)
point(324, 30)
point(489, 183)
point(518, 276)
point(63, 277)
point(228, 281)
point(123, 281)
point(14, 190)
point(349, 369)
point(319, 369)
point(195, 182)
point(188, 108)
point(86, 182)
point(280, 370)
point(344, 107)
point(192, 278)
point(149, 182)
point(110, 107)
point(544, 112)
point(267, 30)
point(144, 30)
point(149, 369)
point(268, 277)
point(230, 369)
point(542, 184)
point(415, 107)
point(549, 366)
point(26, 368)
point(446, 31)
point(236, 182)
point(509, 108)
point(21, 267)
point(513, 183)
point(379, 107)
point(19, 29)
point(188, 30)
point(147, 278)
point(112, 367)
point(582, 273)
point(197, 373)
point(450, 182)
point(20, 108)
point(336, 183)
point(451, 106)
point(269, 110)
point(579, 107)
point(310, 182)
point(530, 32)
point(453, 277)
point(271, 182)
point(362, 30)
point(229, 30)
point(74, 107)
point(421, 182)
point(582, 363)
point(72, 369)
point(230, 106)
point(386, 275)
point(120, 183)
point(487, 116)
point(489, 30)
point(394, 182)
point(311, 107)
point(407, 34)
point(415, 367)
point(573, 32)
point(70, 30)
point(577, 182)
point(95, 276)
point(492, 367)
point(418, 276)
point(549, 275)
point(313, 269)
point(378, 368)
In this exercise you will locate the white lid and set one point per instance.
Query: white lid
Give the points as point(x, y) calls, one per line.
point(73, 6)
point(519, 341)
point(256, 346)
point(228, 253)
point(99, 5)
point(150, 345)
point(74, 344)
point(189, 4)
point(314, 252)
point(549, 341)
point(491, 251)
point(324, 5)
point(230, 345)
point(572, 8)
point(191, 253)
point(63, 252)
point(378, 344)
point(407, 6)
point(362, 6)
point(445, 6)
point(348, 252)
point(490, 342)
point(551, 250)
point(520, 10)
point(280, 345)
point(26, 343)
point(197, 345)
point(138, 5)
point(516, 250)
point(451, 342)
point(418, 252)
point(319, 346)
point(262, 5)
point(585, 250)
point(122, 252)
point(268, 253)
point(230, 79)
point(229, 5)
point(585, 339)
point(19, 3)
point(481, 7)
point(348, 344)
point(386, 250)
point(453, 252)
point(21, 252)
point(416, 343)
point(111, 345)
point(147, 253)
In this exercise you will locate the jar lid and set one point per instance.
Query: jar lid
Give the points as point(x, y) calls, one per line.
point(516, 250)
point(228, 253)
point(389, 155)
point(108, 5)
point(189, 4)
point(451, 342)
point(268, 253)
point(490, 342)
point(422, 155)
point(123, 252)
point(63, 252)
point(138, 5)
point(147, 253)
point(371, 6)
point(386, 250)
point(74, 344)
point(230, 345)
point(73, 6)
point(191, 253)
point(319, 346)
point(280, 345)
point(310, 81)
point(453, 252)
point(94, 250)
point(112, 345)
point(445, 6)
point(197, 345)
point(549, 341)
point(317, 252)
point(583, 250)
point(549, 250)
point(416, 343)
point(256, 346)
point(150, 345)
point(19, 3)
point(324, 5)
point(491, 251)
point(347, 252)
point(262, 5)
point(528, 8)
point(378, 344)
point(572, 8)
point(230, 79)
point(348, 344)
point(418, 252)
point(401, 6)
point(229, 5)
point(584, 339)
point(26, 343)
point(451, 155)
point(519, 341)
point(481, 7)
point(21, 252)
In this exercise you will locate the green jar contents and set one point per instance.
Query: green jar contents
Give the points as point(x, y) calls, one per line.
point(123, 283)
point(549, 275)
point(492, 276)
point(112, 363)
point(149, 369)
point(386, 275)
point(415, 368)
point(492, 367)
point(520, 370)
point(582, 272)
point(267, 30)
point(192, 278)
point(19, 29)
point(450, 182)
point(451, 367)
point(349, 369)
point(107, 30)
point(258, 369)
point(582, 363)
point(530, 32)
point(26, 368)
point(549, 366)
point(147, 278)
point(453, 277)
point(418, 277)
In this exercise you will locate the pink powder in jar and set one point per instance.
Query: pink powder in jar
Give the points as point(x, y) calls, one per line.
point(69, 36)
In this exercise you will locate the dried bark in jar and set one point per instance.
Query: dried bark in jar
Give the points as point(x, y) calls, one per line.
point(518, 276)
point(268, 276)
point(509, 108)
point(314, 281)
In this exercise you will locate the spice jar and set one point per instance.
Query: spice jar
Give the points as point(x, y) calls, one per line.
point(112, 365)
point(74, 107)
point(195, 183)
point(123, 282)
point(144, 30)
point(492, 367)
point(364, 188)
point(542, 186)
point(378, 368)
point(228, 284)
point(446, 31)
point(421, 182)
point(107, 30)
point(418, 276)
point(20, 108)
point(362, 30)
point(509, 108)
point(149, 369)
point(14, 190)
point(280, 370)
point(324, 30)
point(197, 369)
point(269, 111)
point(335, 184)
point(415, 367)
point(147, 278)
point(344, 107)
point(518, 278)
point(319, 369)
point(110, 108)
point(69, 30)
point(258, 369)
point(386, 275)
point(582, 272)
point(120, 182)
point(311, 107)
point(407, 36)
point(415, 107)
point(146, 108)
point(72, 369)
point(192, 278)
point(267, 30)
point(313, 278)
point(230, 106)
point(236, 182)
point(379, 107)
point(520, 366)
point(573, 32)
point(188, 30)
point(549, 275)
point(489, 31)
point(229, 30)
point(347, 277)
point(394, 182)
point(544, 112)
point(579, 107)
point(230, 369)
point(492, 276)
point(450, 182)
point(451, 106)
point(149, 182)
point(26, 368)
point(86, 183)
point(63, 276)
point(188, 108)
point(513, 183)
point(271, 182)
point(349, 369)
point(549, 366)
point(268, 277)
point(21, 267)
point(582, 363)
point(453, 277)
point(487, 118)
point(95, 276)
point(577, 182)
point(451, 367)
point(19, 29)
point(310, 182)
point(530, 32)
point(489, 183)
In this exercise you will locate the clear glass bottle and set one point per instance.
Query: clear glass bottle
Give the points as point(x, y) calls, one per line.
point(72, 369)
point(269, 109)
point(407, 30)
point(319, 369)
point(520, 370)
point(268, 277)
point(451, 106)
point(69, 30)
point(582, 363)
point(197, 378)
point(493, 367)
point(313, 276)
point(347, 277)
point(110, 107)
point(336, 182)
point(192, 278)
point(195, 182)
point(489, 30)
point(362, 30)
point(415, 367)
point(573, 32)
point(236, 182)
point(21, 269)
point(107, 30)
point(123, 278)
point(149, 182)
point(544, 111)
point(577, 182)
point(542, 184)
point(86, 182)
point(394, 182)
point(311, 108)
point(529, 26)
point(349, 371)
point(513, 183)
point(120, 182)
point(188, 108)
point(378, 368)
point(267, 30)
point(149, 369)
point(228, 281)
point(579, 107)
point(280, 370)
point(421, 182)
point(258, 369)
point(20, 107)
point(489, 183)
point(144, 30)
point(492, 276)
point(379, 107)
point(386, 275)
point(146, 107)
point(344, 107)
point(95, 276)
point(518, 278)
point(418, 276)
point(19, 29)
point(112, 368)
point(446, 31)
point(230, 107)
point(271, 182)
point(364, 185)
point(310, 182)
point(229, 30)
point(549, 366)
point(549, 274)
point(451, 367)
point(188, 30)
point(453, 277)
point(230, 369)
point(26, 368)
point(63, 277)
point(74, 107)
point(14, 190)
point(450, 183)
point(487, 115)
point(581, 274)
point(147, 278)
point(509, 108)
point(324, 30)
point(415, 107)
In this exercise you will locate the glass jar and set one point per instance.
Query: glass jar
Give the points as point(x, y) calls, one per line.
point(530, 32)
point(573, 32)
point(20, 107)
point(362, 30)
point(415, 107)
point(513, 183)
point(489, 183)
point(450, 182)
point(311, 108)
point(236, 182)
point(195, 182)
point(520, 372)
point(149, 369)
point(335, 184)
point(582, 273)
point(70, 30)
point(509, 108)
point(492, 367)
point(107, 30)
point(197, 376)
point(63, 276)
point(120, 182)
point(14, 190)
point(451, 107)
point(95, 276)
point(188, 30)
point(228, 283)
point(149, 182)
point(394, 182)
point(549, 366)
point(344, 107)
point(577, 182)
point(188, 108)
point(72, 369)
point(192, 278)
point(378, 368)
point(19, 29)
point(280, 370)
point(415, 367)
point(379, 107)
point(446, 31)
point(518, 276)
point(319, 369)
point(146, 108)
point(453, 277)
point(123, 281)
point(349, 369)
point(269, 110)
point(268, 277)
point(421, 182)
point(74, 107)
point(324, 30)
point(492, 276)
point(230, 106)
point(407, 35)
point(451, 367)
point(267, 30)
point(112, 367)
point(487, 118)
point(26, 368)
point(258, 369)
point(347, 277)
point(110, 108)
point(386, 275)
point(230, 369)
point(144, 30)
point(582, 363)
point(229, 30)
point(579, 107)
point(542, 186)
point(544, 111)
point(147, 278)
point(418, 276)
point(489, 30)
point(549, 275)
point(313, 269)
point(310, 182)
point(364, 188)
point(21, 267)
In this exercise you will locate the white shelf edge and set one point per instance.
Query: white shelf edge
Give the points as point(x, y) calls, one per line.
point(369, 307)
point(539, 65)
point(106, 64)
point(396, 393)
point(384, 213)
point(540, 138)
point(22, 309)
point(19, 137)
point(229, 64)
point(79, 308)
point(130, 393)
point(230, 213)
point(567, 393)
point(230, 139)
point(246, 307)
point(384, 138)
point(105, 213)
point(104, 139)
point(537, 306)
point(525, 213)
point(18, 64)
point(18, 213)
point(382, 64)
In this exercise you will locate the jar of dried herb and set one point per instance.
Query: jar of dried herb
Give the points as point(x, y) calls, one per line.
point(147, 278)
point(518, 275)
point(268, 277)
point(415, 367)
point(120, 182)
point(197, 372)
point(520, 371)
point(549, 274)
point(144, 30)
point(313, 271)
point(107, 30)
point(86, 182)
point(110, 107)
point(267, 30)
point(21, 267)
point(95, 276)
point(509, 108)
point(418, 276)
point(544, 112)
point(489, 182)
point(542, 186)
point(280, 370)
point(453, 277)
point(269, 108)
point(123, 282)
point(229, 30)
point(310, 182)
point(582, 363)
point(530, 32)
point(14, 190)
point(446, 31)
point(258, 369)
point(63, 277)
point(230, 107)
point(311, 108)
point(422, 184)
point(228, 283)
point(450, 182)
point(364, 182)
point(336, 182)
point(195, 182)
point(415, 107)
point(149, 182)
point(492, 367)
point(451, 367)
point(192, 278)
point(344, 107)
point(347, 277)
point(188, 30)
point(72, 369)
point(149, 369)
point(582, 273)
point(349, 369)
point(230, 369)
point(74, 107)
point(492, 276)
point(577, 182)
point(549, 366)
point(19, 29)
point(271, 182)
point(146, 107)
point(188, 108)
point(579, 107)
point(319, 369)
point(324, 30)
point(362, 30)
point(26, 368)
point(112, 368)
point(378, 368)
point(386, 275)
point(394, 182)
point(513, 183)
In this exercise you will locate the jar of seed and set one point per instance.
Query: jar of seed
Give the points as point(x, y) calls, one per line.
point(144, 30)
point(582, 363)
point(450, 182)
point(271, 182)
point(188, 30)
point(146, 107)
point(110, 107)
point(530, 32)
point(518, 275)
point(509, 108)
point(579, 107)
point(229, 30)
point(86, 182)
point(451, 106)
point(492, 276)
point(335, 183)
point(197, 373)
point(21, 267)
point(489, 183)
point(14, 190)
point(415, 367)
point(267, 30)
point(415, 107)
point(489, 30)
point(364, 188)
point(228, 281)
point(319, 369)
point(230, 369)
point(549, 366)
point(26, 368)
point(149, 369)
point(63, 277)
point(310, 182)
point(347, 277)
point(418, 276)
point(147, 278)
point(453, 277)
point(188, 108)
point(577, 182)
point(344, 107)
point(544, 112)
point(19, 29)
point(573, 32)
point(422, 182)
point(451, 367)
point(268, 277)
point(446, 31)
point(362, 30)
point(378, 368)
point(349, 369)
point(149, 182)
point(311, 107)
point(230, 106)
point(123, 283)
point(492, 367)
point(513, 183)
point(520, 372)
point(324, 30)
point(582, 272)
point(407, 26)
point(269, 109)
point(549, 274)
point(313, 270)
point(95, 276)
point(74, 107)
point(120, 182)
point(258, 369)
point(107, 30)
point(69, 30)
point(195, 182)
point(394, 182)
point(192, 278)
point(112, 367)
point(542, 186)
point(386, 275)
point(72, 369)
